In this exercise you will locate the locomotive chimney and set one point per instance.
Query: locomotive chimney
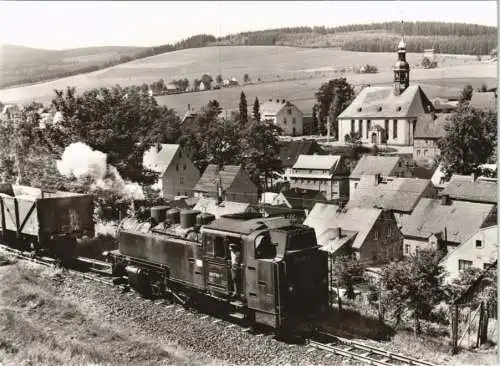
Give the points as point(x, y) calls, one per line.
point(445, 200)
point(339, 232)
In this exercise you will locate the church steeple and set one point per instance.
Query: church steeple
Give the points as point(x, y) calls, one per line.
point(401, 70)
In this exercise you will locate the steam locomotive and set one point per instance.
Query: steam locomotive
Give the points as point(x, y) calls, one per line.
point(185, 253)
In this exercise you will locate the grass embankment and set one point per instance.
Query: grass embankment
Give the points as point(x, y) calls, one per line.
point(37, 327)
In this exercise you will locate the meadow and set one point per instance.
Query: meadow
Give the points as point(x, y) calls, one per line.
point(285, 72)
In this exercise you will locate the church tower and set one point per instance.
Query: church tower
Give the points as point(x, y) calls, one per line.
point(401, 70)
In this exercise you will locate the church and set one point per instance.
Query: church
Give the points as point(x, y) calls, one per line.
point(387, 115)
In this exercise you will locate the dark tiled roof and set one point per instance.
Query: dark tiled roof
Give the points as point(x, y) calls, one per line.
point(370, 165)
point(478, 191)
point(484, 101)
point(461, 219)
point(400, 194)
point(281, 210)
point(430, 128)
point(290, 151)
point(212, 176)
point(380, 102)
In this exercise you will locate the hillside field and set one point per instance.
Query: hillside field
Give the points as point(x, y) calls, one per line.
point(285, 72)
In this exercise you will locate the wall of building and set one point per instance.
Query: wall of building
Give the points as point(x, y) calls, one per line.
point(285, 119)
point(242, 189)
point(468, 251)
point(180, 177)
point(404, 130)
point(425, 150)
point(383, 243)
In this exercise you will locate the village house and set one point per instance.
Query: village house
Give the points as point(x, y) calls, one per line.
point(387, 115)
point(326, 174)
point(399, 195)
point(189, 116)
point(290, 151)
point(444, 223)
point(486, 101)
point(231, 183)
point(480, 250)
point(430, 129)
point(465, 188)
point(215, 207)
point(370, 235)
point(283, 114)
point(292, 214)
point(385, 166)
point(178, 174)
point(299, 199)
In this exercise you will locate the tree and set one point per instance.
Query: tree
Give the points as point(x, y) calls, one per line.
point(207, 81)
point(246, 78)
point(219, 79)
point(314, 122)
point(347, 271)
point(256, 109)
point(261, 151)
point(243, 109)
point(483, 88)
point(414, 284)
point(121, 122)
point(470, 140)
point(333, 96)
point(466, 94)
point(196, 84)
point(426, 63)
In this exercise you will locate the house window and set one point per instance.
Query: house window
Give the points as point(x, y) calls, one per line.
point(177, 167)
point(180, 154)
point(375, 235)
point(479, 244)
point(184, 167)
point(289, 110)
point(389, 231)
point(418, 152)
point(284, 120)
point(355, 185)
point(464, 264)
point(352, 125)
point(182, 180)
point(395, 129)
point(294, 120)
point(407, 249)
point(425, 152)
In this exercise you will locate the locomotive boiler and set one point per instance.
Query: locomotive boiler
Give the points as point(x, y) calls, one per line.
point(283, 272)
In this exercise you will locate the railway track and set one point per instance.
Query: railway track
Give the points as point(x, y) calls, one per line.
point(100, 272)
point(363, 352)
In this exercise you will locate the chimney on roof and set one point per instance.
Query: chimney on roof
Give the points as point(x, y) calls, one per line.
point(339, 232)
point(189, 107)
point(376, 179)
point(445, 200)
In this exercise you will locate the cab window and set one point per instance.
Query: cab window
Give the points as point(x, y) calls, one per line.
point(219, 247)
point(264, 248)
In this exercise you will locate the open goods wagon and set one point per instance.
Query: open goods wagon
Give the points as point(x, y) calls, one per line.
point(44, 220)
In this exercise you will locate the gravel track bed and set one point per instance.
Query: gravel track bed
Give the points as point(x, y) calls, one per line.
point(226, 342)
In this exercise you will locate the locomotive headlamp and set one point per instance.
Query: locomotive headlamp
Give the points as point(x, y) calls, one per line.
point(290, 288)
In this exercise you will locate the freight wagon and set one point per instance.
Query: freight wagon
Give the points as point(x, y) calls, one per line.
point(43, 220)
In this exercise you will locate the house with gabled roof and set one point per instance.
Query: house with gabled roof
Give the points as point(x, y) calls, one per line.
point(429, 130)
point(290, 151)
point(371, 233)
point(486, 101)
point(283, 114)
point(178, 174)
point(299, 199)
point(444, 223)
point(230, 182)
point(327, 174)
point(479, 191)
point(218, 208)
point(399, 195)
point(383, 166)
point(480, 250)
point(387, 115)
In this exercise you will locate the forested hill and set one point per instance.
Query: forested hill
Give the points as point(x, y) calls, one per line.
point(455, 38)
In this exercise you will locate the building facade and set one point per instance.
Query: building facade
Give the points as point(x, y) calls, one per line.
point(326, 174)
point(430, 129)
point(178, 174)
point(387, 115)
point(283, 114)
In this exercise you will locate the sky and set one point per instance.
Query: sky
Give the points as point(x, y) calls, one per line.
point(75, 24)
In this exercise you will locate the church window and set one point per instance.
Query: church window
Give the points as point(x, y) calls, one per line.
point(361, 127)
point(352, 125)
point(368, 125)
point(395, 129)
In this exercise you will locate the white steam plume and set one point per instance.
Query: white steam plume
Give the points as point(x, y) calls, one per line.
point(80, 161)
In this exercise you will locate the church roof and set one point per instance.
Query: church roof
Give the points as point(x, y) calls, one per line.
point(381, 102)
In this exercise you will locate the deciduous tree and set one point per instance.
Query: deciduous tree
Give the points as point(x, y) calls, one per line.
point(466, 94)
point(470, 140)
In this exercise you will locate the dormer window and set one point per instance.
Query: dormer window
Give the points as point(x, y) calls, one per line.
point(479, 244)
point(289, 110)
